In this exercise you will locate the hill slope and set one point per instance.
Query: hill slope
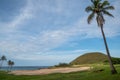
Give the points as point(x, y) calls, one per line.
point(89, 58)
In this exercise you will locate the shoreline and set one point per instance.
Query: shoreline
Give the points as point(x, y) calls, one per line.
point(49, 71)
point(14, 68)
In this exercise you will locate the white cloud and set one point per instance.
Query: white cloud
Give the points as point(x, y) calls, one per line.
point(50, 55)
point(12, 26)
point(53, 6)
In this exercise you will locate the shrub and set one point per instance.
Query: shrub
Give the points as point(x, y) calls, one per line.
point(114, 60)
point(62, 65)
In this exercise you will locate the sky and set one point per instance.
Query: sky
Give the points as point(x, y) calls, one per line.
point(49, 32)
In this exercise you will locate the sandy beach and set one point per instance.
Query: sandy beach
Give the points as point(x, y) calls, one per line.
point(48, 71)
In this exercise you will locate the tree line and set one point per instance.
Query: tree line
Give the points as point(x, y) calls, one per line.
point(10, 63)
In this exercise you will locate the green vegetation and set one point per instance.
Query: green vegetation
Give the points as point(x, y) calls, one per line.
point(63, 65)
point(95, 60)
point(90, 58)
point(98, 72)
point(114, 60)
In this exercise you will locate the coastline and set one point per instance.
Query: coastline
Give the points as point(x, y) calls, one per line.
point(5, 68)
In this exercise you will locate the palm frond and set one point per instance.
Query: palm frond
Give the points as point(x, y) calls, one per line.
point(90, 17)
point(99, 8)
point(96, 3)
point(107, 13)
point(109, 8)
point(88, 9)
point(105, 3)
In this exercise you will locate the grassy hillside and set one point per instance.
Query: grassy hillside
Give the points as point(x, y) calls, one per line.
point(89, 58)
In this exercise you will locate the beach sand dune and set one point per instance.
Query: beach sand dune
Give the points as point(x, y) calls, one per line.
point(48, 71)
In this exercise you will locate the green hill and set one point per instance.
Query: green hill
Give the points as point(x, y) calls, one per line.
point(90, 58)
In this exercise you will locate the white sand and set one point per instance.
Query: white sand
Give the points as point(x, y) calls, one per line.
point(48, 71)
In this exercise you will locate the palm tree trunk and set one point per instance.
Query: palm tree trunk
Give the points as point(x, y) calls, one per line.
point(113, 70)
point(8, 69)
point(11, 68)
point(1, 64)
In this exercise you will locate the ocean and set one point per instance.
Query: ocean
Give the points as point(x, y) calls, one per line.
point(25, 68)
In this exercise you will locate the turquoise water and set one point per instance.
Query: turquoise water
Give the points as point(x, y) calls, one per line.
point(25, 67)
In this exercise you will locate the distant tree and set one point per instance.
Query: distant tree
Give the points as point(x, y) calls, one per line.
point(3, 58)
point(10, 64)
point(114, 60)
point(63, 65)
point(99, 9)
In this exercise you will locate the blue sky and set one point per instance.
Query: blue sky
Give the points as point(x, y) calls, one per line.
point(47, 32)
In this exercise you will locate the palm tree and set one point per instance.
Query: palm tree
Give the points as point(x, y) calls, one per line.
point(3, 58)
point(10, 64)
point(98, 9)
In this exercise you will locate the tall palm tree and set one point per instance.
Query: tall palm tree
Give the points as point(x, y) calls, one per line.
point(3, 58)
point(98, 9)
